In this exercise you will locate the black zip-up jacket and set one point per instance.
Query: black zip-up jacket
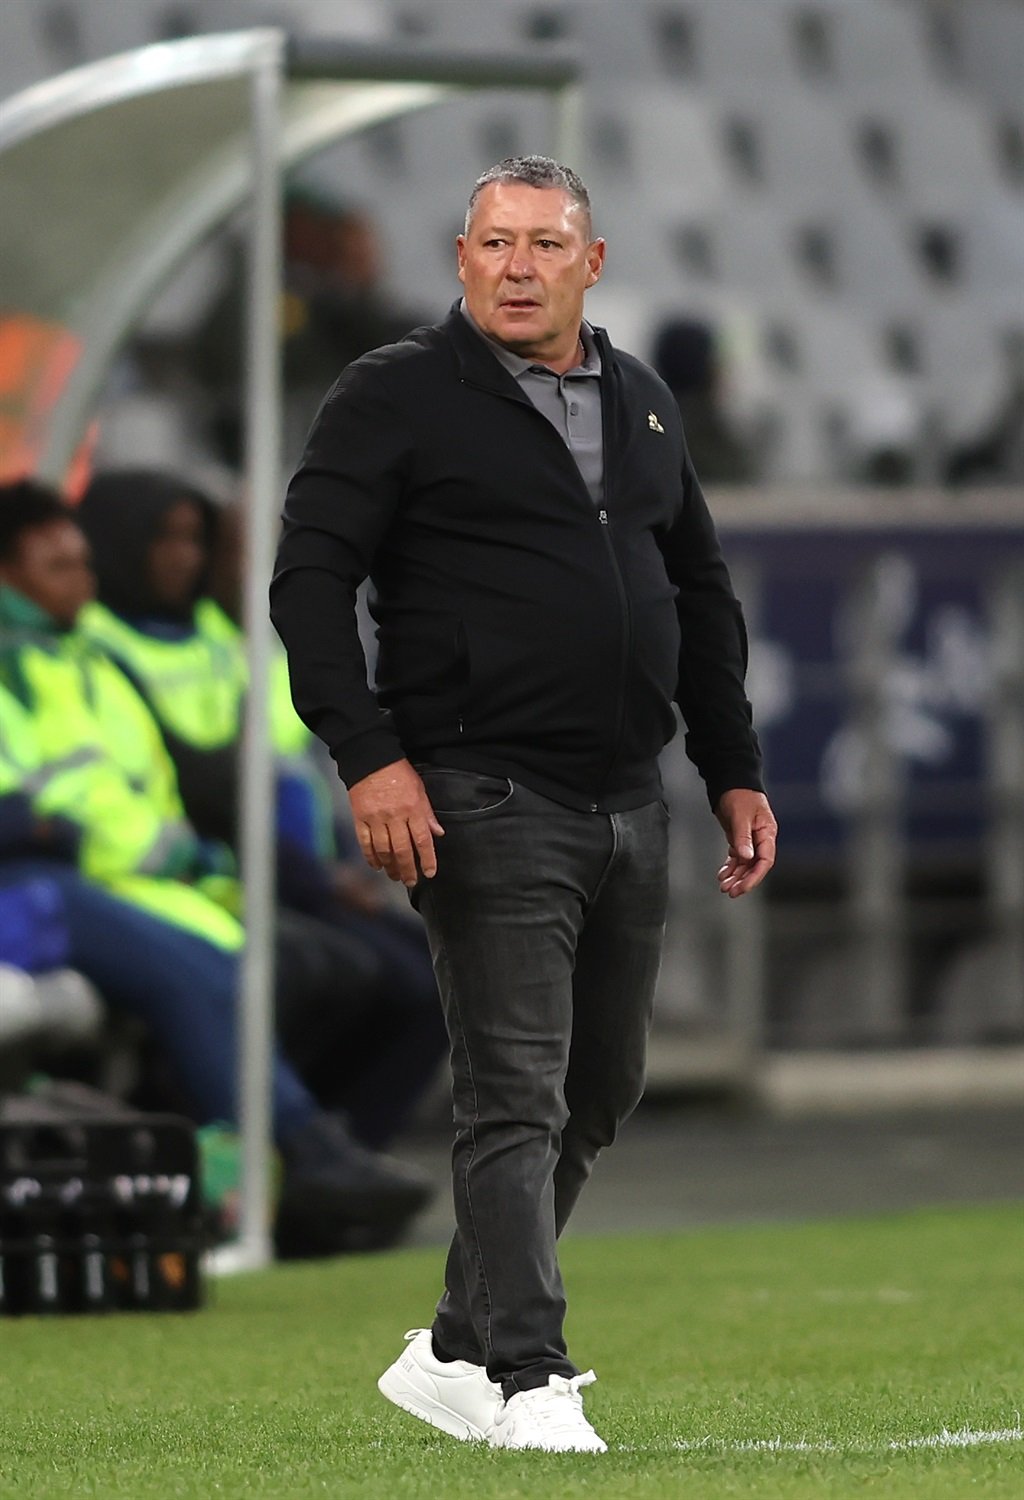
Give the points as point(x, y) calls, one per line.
point(522, 630)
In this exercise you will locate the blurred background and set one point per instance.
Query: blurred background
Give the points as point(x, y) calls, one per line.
point(815, 221)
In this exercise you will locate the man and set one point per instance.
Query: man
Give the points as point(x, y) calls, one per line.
point(547, 581)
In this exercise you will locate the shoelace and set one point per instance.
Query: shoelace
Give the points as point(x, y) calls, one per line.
point(552, 1413)
point(572, 1384)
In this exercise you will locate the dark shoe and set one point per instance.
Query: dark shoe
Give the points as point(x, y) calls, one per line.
point(337, 1197)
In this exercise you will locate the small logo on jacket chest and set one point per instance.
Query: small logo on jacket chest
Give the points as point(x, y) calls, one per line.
point(653, 423)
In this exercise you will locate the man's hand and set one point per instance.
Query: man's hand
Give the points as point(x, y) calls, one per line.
point(750, 828)
point(395, 823)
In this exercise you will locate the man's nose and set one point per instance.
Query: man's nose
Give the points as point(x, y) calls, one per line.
point(520, 267)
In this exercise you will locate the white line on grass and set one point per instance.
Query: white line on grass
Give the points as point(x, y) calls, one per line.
point(963, 1437)
point(753, 1445)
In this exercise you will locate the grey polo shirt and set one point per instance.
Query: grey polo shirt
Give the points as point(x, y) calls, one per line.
point(571, 402)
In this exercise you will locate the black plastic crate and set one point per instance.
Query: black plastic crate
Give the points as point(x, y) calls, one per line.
point(98, 1213)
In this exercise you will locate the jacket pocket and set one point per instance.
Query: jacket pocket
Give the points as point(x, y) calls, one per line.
point(653, 677)
point(423, 673)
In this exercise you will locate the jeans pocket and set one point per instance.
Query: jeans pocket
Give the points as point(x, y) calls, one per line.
point(464, 794)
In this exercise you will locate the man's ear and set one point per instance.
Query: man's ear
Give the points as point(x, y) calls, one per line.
point(460, 251)
point(595, 261)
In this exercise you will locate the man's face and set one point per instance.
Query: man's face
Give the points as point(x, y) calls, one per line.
point(525, 263)
point(51, 567)
point(177, 556)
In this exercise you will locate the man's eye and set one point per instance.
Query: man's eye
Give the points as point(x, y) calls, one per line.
point(494, 244)
point(548, 244)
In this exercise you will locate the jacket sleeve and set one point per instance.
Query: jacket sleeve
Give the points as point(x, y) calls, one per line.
point(338, 508)
point(720, 738)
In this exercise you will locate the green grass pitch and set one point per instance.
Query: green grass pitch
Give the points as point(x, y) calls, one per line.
point(844, 1358)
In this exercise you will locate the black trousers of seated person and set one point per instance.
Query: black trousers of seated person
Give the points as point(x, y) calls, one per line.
point(359, 1018)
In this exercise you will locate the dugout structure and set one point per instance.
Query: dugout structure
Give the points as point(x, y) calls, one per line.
point(109, 175)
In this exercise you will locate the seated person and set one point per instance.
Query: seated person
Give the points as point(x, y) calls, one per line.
point(46, 1008)
point(149, 904)
point(686, 359)
point(154, 539)
point(334, 307)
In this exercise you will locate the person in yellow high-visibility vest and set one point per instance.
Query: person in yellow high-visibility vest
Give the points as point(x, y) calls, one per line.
point(79, 745)
point(155, 539)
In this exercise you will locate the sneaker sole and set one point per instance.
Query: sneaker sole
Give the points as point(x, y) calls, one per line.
point(541, 1448)
point(396, 1389)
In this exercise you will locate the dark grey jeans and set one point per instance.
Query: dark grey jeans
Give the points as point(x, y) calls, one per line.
point(545, 926)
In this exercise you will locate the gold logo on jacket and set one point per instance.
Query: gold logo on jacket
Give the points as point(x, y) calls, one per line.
point(653, 423)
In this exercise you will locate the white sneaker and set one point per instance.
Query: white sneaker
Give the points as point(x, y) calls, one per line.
point(453, 1395)
point(549, 1417)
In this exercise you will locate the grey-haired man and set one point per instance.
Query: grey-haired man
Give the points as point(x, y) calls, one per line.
point(547, 584)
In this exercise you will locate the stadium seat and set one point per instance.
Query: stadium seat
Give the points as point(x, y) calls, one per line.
point(994, 254)
point(675, 157)
point(965, 368)
point(990, 44)
point(804, 146)
point(466, 24)
point(879, 46)
point(25, 56)
point(108, 29)
point(755, 255)
point(945, 148)
point(737, 42)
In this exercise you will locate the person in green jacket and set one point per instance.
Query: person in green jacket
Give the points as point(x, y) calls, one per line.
point(79, 746)
point(159, 545)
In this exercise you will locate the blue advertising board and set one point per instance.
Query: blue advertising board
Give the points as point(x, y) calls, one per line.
point(935, 594)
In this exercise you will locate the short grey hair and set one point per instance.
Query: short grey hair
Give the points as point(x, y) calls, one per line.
point(538, 172)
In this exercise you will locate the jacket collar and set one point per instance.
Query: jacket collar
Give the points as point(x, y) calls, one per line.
point(478, 366)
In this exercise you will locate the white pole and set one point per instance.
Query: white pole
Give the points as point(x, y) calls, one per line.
point(262, 464)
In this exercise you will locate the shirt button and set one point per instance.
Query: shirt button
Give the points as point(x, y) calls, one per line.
point(574, 409)
point(593, 807)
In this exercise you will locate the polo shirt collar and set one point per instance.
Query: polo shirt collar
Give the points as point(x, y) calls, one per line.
point(516, 365)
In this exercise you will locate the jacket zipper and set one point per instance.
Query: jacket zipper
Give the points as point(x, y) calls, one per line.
point(608, 435)
point(625, 619)
point(626, 652)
